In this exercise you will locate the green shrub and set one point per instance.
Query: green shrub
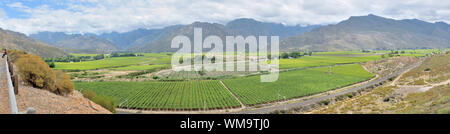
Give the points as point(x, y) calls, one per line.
point(63, 83)
point(35, 72)
point(106, 102)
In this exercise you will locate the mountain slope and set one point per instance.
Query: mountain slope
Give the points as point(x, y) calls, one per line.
point(163, 43)
point(76, 42)
point(15, 40)
point(123, 40)
point(371, 32)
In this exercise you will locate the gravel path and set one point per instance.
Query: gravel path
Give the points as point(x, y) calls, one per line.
point(4, 96)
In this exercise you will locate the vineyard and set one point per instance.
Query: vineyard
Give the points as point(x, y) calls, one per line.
point(297, 83)
point(191, 95)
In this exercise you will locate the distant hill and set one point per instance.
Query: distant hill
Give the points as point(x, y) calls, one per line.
point(123, 40)
point(244, 27)
point(87, 43)
point(15, 40)
point(158, 40)
point(371, 32)
point(162, 44)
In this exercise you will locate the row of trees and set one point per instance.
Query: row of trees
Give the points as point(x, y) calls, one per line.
point(71, 58)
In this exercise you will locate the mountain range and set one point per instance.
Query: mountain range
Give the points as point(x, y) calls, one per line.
point(356, 33)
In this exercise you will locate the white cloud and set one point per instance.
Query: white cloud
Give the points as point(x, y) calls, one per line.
point(99, 16)
point(3, 13)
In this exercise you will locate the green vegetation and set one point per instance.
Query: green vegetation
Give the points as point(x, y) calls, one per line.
point(98, 64)
point(296, 83)
point(191, 95)
point(115, 62)
point(143, 67)
point(85, 74)
point(342, 53)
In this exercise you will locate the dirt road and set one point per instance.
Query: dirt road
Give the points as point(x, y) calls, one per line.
point(4, 95)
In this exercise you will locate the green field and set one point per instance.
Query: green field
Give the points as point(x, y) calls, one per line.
point(82, 54)
point(343, 53)
point(311, 61)
point(297, 83)
point(193, 95)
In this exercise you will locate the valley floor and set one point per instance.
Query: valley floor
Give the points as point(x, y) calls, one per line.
point(424, 89)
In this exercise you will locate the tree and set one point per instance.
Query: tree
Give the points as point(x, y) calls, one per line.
point(100, 56)
point(213, 59)
point(51, 65)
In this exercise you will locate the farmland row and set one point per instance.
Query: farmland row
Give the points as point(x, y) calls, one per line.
point(192, 95)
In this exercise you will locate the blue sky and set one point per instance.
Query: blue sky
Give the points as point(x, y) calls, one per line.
point(100, 16)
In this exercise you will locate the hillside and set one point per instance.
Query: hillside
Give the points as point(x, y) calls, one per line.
point(123, 40)
point(45, 102)
point(372, 32)
point(158, 40)
point(15, 40)
point(76, 42)
point(247, 26)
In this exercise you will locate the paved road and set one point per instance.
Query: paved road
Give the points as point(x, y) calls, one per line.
point(326, 97)
point(4, 95)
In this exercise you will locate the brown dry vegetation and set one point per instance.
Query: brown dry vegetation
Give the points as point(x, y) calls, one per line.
point(35, 72)
point(433, 70)
point(385, 100)
point(432, 97)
